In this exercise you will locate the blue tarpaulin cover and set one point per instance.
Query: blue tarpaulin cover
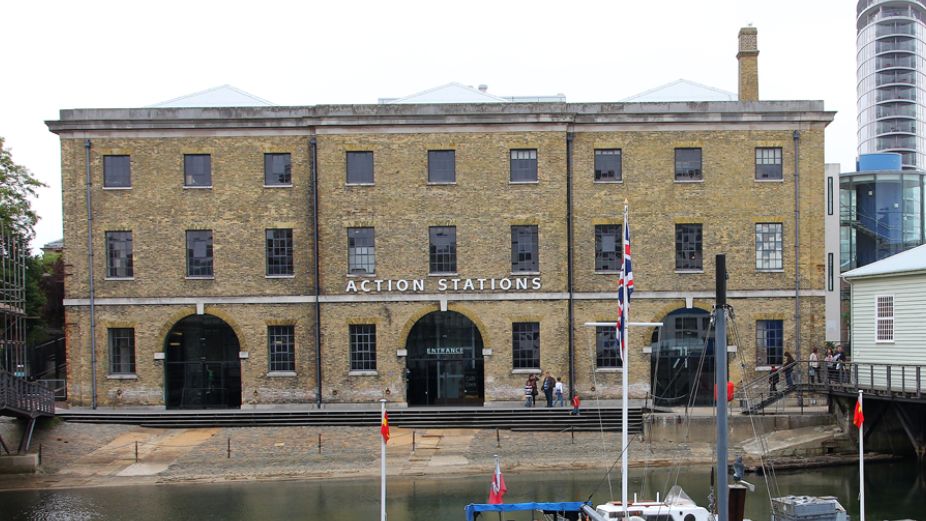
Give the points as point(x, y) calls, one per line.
point(569, 506)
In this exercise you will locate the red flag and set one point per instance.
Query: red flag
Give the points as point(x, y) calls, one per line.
point(497, 489)
point(858, 418)
point(384, 428)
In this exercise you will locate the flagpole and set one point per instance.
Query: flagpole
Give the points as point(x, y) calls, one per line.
point(861, 461)
point(382, 488)
point(625, 363)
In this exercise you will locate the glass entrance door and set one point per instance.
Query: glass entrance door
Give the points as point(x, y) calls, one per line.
point(444, 364)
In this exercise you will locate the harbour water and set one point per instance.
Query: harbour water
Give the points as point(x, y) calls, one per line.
point(895, 491)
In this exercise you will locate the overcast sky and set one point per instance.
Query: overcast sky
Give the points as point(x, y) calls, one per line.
point(65, 54)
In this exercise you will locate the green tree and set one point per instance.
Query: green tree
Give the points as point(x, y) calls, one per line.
point(17, 185)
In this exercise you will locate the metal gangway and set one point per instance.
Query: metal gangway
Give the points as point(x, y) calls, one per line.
point(26, 400)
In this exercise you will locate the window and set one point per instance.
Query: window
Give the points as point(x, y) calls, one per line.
point(360, 168)
point(279, 252)
point(829, 271)
point(442, 166)
point(278, 170)
point(281, 348)
point(607, 352)
point(769, 342)
point(829, 196)
point(768, 163)
point(361, 251)
point(117, 172)
point(119, 255)
point(608, 247)
point(363, 347)
point(688, 247)
point(608, 164)
point(199, 253)
point(688, 164)
point(884, 321)
point(768, 246)
point(197, 170)
point(524, 249)
point(525, 345)
point(443, 250)
point(121, 350)
point(524, 166)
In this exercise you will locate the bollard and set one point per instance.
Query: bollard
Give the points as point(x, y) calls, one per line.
point(136, 452)
point(40, 453)
point(498, 439)
point(413, 441)
point(319, 443)
point(228, 450)
point(572, 431)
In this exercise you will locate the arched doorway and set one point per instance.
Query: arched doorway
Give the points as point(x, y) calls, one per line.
point(683, 344)
point(201, 366)
point(444, 361)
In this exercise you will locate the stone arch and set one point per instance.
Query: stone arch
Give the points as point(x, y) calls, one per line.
point(202, 368)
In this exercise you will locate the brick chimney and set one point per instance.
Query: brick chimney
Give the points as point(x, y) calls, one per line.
point(748, 57)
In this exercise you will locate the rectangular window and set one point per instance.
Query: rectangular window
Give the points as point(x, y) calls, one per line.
point(360, 168)
point(119, 255)
point(769, 342)
point(606, 347)
point(280, 252)
point(442, 166)
point(525, 345)
point(363, 347)
point(829, 271)
point(829, 196)
point(361, 251)
point(278, 170)
point(768, 163)
point(525, 256)
point(608, 247)
point(524, 166)
point(121, 350)
point(443, 249)
point(688, 164)
point(197, 170)
point(884, 321)
point(117, 172)
point(768, 246)
point(281, 348)
point(608, 164)
point(688, 254)
point(199, 253)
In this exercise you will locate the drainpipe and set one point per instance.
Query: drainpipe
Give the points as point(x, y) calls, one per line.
point(797, 247)
point(572, 367)
point(87, 146)
point(313, 165)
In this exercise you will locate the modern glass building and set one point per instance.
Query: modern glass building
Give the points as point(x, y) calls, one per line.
point(891, 82)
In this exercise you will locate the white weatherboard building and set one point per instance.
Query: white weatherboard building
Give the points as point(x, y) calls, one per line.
point(888, 318)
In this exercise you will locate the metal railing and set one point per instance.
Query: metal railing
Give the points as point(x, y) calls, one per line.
point(23, 398)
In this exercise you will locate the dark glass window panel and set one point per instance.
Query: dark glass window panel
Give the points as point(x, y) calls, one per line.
point(769, 246)
point(117, 172)
point(688, 247)
point(121, 350)
point(688, 164)
point(280, 252)
point(360, 167)
point(608, 247)
point(199, 253)
point(362, 347)
point(442, 166)
point(361, 251)
point(608, 164)
point(523, 165)
point(607, 350)
point(281, 347)
point(525, 345)
point(197, 170)
point(119, 262)
point(278, 170)
point(525, 248)
point(768, 163)
point(443, 249)
point(769, 342)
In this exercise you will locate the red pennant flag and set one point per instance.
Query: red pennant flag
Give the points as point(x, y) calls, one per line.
point(497, 489)
point(384, 428)
point(858, 418)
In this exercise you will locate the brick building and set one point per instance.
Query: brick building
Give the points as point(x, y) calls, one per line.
point(431, 253)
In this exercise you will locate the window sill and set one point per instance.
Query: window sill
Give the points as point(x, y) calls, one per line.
point(537, 182)
point(770, 180)
point(609, 370)
point(885, 341)
point(524, 273)
point(119, 278)
point(359, 184)
point(686, 272)
point(278, 186)
point(185, 187)
point(615, 182)
point(361, 275)
point(117, 188)
point(281, 374)
point(363, 373)
point(435, 183)
point(122, 376)
point(607, 272)
point(447, 274)
point(770, 271)
point(689, 181)
point(191, 277)
point(526, 371)
point(290, 276)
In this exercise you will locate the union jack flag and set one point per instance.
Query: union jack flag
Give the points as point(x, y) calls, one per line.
point(624, 285)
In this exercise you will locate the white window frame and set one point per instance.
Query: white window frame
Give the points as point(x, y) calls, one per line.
point(886, 319)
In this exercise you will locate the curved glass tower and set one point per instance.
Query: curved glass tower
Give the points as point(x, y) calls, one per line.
point(891, 46)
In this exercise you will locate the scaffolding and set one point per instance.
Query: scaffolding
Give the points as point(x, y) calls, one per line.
point(13, 257)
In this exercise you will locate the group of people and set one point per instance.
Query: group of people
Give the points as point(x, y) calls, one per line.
point(553, 391)
point(834, 368)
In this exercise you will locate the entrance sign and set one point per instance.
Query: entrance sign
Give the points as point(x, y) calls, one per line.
point(443, 285)
point(444, 351)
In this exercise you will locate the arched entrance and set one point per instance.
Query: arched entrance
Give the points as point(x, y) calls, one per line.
point(444, 361)
point(684, 343)
point(202, 369)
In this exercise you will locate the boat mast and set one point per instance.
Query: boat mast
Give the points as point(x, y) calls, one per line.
point(720, 365)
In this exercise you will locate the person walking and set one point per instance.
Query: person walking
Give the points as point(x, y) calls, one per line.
point(548, 384)
point(830, 365)
point(773, 380)
point(576, 404)
point(789, 370)
point(558, 393)
point(839, 359)
point(530, 391)
point(814, 366)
